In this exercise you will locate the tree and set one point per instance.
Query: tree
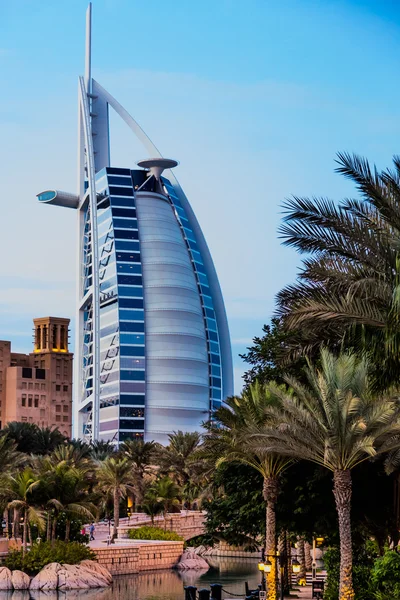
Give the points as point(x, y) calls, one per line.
point(100, 449)
point(334, 421)
point(115, 479)
point(151, 504)
point(178, 459)
point(63, 487)
point(166, 492)
point(266, 354)
point(141, 456)
point(31, 439)
point(348, 292)
point(227, 439)
point(21, 488)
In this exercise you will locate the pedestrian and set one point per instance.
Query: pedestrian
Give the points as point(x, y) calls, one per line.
point(91, 531)
point(83, 531)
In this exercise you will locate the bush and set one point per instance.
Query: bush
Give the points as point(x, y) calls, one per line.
point(42, 554)
point(363, 563)
point(154, 533)
point(385, 576)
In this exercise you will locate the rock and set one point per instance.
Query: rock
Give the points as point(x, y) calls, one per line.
point(20, 580)
point(92, 565)
point(191, 561)
point(47, 578)
point(5, 579)
point(71, 577)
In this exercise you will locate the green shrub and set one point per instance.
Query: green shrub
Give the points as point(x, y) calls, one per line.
point(42, 554)
point(154, 533)
point(385, 576)
point(363, 563)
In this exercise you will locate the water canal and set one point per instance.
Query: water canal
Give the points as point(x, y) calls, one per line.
point(160, 585)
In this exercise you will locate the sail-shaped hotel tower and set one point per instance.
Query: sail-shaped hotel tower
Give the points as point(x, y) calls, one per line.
point(153, 351)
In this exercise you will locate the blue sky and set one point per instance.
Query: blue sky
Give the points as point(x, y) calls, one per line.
point(253, 98)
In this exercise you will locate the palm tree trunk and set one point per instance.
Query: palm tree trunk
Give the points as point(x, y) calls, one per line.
point(30, 535)
point(342, 493)
point(25, 542)
point(284, 571)
point(67, 529)
point(116, 513)
point(307, 553)
point(301, 557)
point(54, 530)
point(48, 527)
point(270, 492)
point(16, 523)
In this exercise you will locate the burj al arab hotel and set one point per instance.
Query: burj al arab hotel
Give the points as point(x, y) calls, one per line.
point(153, 351)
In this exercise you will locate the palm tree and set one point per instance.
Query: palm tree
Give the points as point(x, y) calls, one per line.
point(166, 492)
point(114, 476)
point(334, 421)
point(227, 439)
point(177, 459)
point(151, 504)
point(348, 291)
point(64, 489)
point(21, 488)
point(100, 449)
point(141, 455)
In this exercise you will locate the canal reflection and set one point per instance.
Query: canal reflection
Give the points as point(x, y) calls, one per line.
point(159, 585)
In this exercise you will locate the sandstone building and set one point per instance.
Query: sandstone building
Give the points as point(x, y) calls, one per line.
point(37, 387)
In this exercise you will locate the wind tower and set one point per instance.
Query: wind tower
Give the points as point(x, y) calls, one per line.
point(153, 350)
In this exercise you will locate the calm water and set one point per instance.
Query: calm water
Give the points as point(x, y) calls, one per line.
point(160, 585)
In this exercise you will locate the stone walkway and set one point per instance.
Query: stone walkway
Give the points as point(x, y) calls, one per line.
point(301, 592)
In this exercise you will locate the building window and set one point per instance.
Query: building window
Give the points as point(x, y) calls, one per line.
point(43, 398)
point(40, 374)
point(37, 386)
point(30, 386)
point(23, 385)
point(58, 408)
point(58, 418)
point(42, 413)
point(36, 402)
point(65, 388)
point(30, 401)
point(26, 372)
point(42, 386)
point(23, 400)
point(65, 419)
point(58, 388)
point(24, 418)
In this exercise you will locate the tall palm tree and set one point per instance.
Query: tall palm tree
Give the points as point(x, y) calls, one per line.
point(227, 439)
point(141, 455)
point(334, 421)
point(21, 488)
point(115, 479)
point(348, 291)
point(177, 459)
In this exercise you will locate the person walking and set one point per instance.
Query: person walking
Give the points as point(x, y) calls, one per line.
point(91, 532)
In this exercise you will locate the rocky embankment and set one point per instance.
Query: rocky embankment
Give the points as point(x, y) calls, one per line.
point(87, 574)
point(190, 561)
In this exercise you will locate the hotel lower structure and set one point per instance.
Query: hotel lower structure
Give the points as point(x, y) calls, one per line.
point(153, 351)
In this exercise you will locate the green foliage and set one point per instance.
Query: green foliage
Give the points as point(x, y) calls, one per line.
point(363, 563)
point(154, 533)
point(265, 356)
point(43, 554)
point(31, 439)
point(236, 514)
point(385, 577)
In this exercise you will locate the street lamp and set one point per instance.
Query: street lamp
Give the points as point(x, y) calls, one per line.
point(261, 568)
point(296, 567)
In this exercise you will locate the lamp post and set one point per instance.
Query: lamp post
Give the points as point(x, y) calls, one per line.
point(266, 566)
point(261, 568)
